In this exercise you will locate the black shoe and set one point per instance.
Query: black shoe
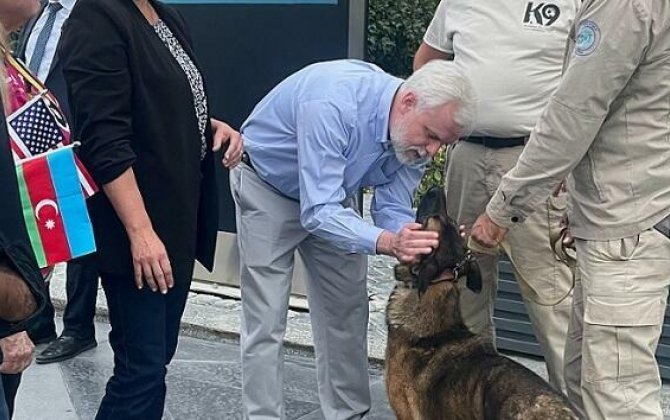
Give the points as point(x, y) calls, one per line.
point(64, 348)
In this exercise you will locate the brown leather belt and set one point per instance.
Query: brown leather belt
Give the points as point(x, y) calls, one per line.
point(496, 142)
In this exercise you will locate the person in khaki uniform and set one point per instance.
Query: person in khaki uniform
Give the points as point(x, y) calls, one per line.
point(513, 77)
point(608, 125)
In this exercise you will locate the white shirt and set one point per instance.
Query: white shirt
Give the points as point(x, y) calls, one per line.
point(52, 43)
point(512, 50)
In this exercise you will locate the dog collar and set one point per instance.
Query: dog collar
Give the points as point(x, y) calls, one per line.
point(447, 275)
point(467, 258)
point(451, 274)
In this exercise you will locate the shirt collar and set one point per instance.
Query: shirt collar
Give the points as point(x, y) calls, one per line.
point(382, 119)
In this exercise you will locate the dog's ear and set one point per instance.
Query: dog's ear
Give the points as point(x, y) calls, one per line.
point(425, 272)
point(433, 203)
point(473, 276)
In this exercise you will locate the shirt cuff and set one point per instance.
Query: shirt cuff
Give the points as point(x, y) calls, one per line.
point(502, 213)
point(368, 236)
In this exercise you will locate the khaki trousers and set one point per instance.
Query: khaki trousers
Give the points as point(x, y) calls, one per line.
point(472, 177)
point(619, 305)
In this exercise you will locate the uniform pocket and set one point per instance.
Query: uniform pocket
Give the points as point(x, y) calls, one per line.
point(624, 311)
point(620, 336)
point(585, 178)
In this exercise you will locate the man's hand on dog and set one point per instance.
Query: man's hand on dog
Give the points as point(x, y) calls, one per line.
point(486, 233)
point(408, 244)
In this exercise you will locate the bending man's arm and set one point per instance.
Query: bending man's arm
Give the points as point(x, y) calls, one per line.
point(322, 137)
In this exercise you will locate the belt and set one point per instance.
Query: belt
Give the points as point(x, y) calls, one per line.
point(247, 161)
point(496, 142)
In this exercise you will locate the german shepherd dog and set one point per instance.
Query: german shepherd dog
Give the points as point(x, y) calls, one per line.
point(435, 367)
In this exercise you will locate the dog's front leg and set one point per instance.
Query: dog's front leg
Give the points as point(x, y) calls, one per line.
point(403, 401)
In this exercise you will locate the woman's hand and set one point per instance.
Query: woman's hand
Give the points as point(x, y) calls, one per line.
point(17, 352)
point(223, 133)
point(150, 261)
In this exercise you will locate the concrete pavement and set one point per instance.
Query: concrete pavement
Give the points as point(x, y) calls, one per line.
point(203, 383)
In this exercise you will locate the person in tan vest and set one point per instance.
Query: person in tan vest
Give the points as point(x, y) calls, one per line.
point(608, 126)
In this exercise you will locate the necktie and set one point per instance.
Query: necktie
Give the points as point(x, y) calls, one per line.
point(43, 37)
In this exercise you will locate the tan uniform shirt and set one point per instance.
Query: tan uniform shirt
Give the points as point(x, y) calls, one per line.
point(608, 123)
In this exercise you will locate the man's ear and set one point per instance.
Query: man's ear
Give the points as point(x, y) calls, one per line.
point(474, 276)
point(408, 101)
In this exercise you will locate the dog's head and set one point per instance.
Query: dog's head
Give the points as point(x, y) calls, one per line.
point(450, 254)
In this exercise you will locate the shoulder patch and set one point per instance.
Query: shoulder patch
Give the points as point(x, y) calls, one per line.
point(588, 38)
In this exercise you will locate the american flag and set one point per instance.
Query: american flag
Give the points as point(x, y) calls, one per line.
point(39, 126)
point(36, 128)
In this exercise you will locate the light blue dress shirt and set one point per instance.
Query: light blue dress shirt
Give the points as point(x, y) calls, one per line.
point(321, 135)
point(54, 37)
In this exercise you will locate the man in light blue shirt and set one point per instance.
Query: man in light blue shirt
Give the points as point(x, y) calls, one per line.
point(312, 143)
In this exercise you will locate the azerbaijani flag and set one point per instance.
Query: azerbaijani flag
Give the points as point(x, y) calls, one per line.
point(54, 208)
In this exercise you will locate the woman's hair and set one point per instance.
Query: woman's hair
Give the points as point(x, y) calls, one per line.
point(440, 82)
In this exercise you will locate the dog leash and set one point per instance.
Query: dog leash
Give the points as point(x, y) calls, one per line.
point(562, 254)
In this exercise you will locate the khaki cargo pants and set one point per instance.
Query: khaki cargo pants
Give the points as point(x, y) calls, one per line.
point(473, 175)
point(620, 299)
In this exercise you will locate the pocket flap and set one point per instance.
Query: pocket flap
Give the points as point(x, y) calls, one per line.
point(624, 311)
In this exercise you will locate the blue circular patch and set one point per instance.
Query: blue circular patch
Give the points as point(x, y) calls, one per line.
point(588, 38)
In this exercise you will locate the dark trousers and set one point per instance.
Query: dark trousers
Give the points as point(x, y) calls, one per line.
point(81, 285)
point(9, 385)
point(144, 335)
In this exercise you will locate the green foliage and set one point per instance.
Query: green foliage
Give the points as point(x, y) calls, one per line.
point(434, 175)
point(395, 31)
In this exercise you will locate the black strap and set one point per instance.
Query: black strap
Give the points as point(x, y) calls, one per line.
point(247, 161)
point(496, 142)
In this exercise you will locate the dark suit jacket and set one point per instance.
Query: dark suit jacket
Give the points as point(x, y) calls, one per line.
point(132, 106)
point(55, 80)
point(14, 240)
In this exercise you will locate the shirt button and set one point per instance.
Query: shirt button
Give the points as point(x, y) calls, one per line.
point(514, 219)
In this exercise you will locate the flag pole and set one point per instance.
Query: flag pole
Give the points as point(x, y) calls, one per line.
point(69, 146)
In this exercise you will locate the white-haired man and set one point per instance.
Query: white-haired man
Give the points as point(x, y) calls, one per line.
point(312, 143)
